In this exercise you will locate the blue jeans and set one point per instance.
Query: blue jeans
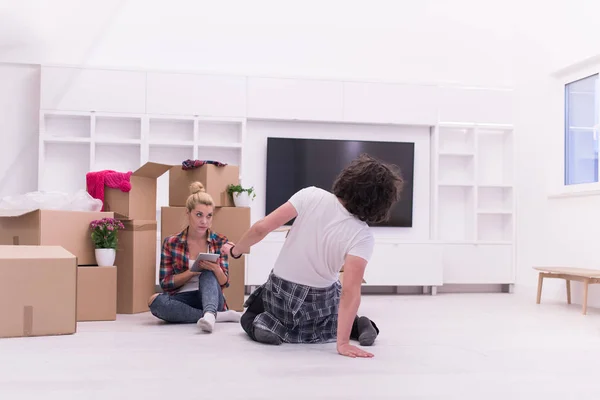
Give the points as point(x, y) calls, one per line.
point(189, 307)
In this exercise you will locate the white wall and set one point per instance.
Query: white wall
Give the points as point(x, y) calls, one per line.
point(256, 149)
point(551, 231)
point(19, 115)
point(464, 41)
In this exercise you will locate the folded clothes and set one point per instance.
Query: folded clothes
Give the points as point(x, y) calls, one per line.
point(96, 181)
point(191, 164)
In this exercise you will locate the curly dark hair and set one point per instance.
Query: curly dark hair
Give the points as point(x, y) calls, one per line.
point(369, 188)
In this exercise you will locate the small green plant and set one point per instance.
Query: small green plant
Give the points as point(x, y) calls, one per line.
point(231, 189)
point(104, 232)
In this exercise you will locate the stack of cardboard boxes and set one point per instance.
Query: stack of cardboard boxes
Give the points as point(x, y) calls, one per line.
point(48, 263)
point(136, 253)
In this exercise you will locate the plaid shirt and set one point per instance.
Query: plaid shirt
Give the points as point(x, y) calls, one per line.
point(298, 313)
point(175, 256)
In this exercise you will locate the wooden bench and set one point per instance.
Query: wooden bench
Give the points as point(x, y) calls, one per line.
point(587, 276)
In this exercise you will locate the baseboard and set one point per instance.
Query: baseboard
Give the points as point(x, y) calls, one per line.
point(414, 290)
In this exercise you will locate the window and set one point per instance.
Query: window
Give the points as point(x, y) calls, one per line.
point(581, 131)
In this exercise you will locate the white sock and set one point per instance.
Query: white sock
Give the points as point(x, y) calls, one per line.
point(207, 322)
point(228, 316)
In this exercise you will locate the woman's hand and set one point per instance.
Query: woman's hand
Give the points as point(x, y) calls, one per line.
point(349, 350)
point(209, 266)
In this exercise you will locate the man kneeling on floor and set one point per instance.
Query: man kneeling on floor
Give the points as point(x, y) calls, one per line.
point(303, 300)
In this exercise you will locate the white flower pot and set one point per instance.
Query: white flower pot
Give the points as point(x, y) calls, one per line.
point(105, 257)
point(242, 199)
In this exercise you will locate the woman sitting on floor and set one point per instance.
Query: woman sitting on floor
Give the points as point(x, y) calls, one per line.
point(194, 297)
point(302, 298)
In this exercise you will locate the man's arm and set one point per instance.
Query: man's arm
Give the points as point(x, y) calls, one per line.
point(262, 228)
point(354, 270)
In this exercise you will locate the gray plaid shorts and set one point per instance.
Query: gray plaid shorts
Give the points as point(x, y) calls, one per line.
point(298, 313)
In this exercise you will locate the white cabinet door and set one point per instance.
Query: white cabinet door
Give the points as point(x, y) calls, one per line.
point(261, 261)
point(390, 103)
point(295, 99)
point(478, 264)
point(398, 264)
point(460, 264)
point(191, 94)
point(79, 89)
point(476, 105)
point(497, 262)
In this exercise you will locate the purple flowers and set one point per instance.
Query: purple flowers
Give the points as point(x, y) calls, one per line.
point(104, 232)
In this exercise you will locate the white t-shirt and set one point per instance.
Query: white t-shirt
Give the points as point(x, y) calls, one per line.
point(323, 233)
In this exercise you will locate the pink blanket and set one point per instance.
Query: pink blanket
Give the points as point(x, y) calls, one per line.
point(96, 181)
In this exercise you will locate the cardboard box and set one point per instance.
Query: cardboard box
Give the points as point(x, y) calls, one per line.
point(68, 229)
point(215, 180)
point(39, 294)
point(140, 201)
point(235, 293)
point(96, 293)
point(232, 222)
point(136, 266)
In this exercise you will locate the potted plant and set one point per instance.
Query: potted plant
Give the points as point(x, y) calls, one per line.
point(104, 236)
point(242, 197)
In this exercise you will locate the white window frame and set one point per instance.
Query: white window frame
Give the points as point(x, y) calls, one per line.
point(563, 77)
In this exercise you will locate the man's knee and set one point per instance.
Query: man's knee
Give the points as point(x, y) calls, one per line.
point(247, 322)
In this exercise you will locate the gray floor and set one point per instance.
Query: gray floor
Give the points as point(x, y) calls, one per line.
point(450, 346)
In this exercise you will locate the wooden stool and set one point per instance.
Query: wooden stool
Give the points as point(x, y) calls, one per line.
point(587, 276)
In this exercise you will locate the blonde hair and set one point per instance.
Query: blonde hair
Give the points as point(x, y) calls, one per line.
point(198, 196)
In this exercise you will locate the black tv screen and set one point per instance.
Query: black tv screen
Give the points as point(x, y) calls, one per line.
point(293, 164)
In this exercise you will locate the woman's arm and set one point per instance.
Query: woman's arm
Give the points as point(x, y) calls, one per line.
point(180, 279)
point(262, 228)
point(220, 269)
point(168, 279)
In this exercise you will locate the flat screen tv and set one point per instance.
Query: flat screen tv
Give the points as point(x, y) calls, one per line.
point(293, 164)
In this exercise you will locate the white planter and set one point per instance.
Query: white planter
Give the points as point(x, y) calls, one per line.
point(242, 199)
point(105, 257)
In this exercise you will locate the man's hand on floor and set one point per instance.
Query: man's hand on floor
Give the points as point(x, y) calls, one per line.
point(352, 351)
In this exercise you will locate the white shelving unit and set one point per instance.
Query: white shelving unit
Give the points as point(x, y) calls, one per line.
point(95, 119)
point(75, 143)
point(474, 200)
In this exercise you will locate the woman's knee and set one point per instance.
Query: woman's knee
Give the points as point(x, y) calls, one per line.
point(152, 298)
point(206, 274)
point(157, 303)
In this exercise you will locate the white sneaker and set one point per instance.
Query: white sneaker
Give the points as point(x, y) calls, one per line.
point(207, 322)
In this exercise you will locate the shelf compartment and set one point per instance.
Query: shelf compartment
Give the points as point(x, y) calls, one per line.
point(494, 227)
point(456, 140)
point(67, 126)
point(117, 157)
point(495, 198)
point(173, 155)
point(172, 130)
point(456, 213)
point(65, 167)
point(456, 168)
point(231, 156)
point(219, 132)
point(495, 157)
point(118, 128)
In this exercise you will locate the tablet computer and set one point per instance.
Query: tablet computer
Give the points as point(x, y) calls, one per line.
point(212, 257)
